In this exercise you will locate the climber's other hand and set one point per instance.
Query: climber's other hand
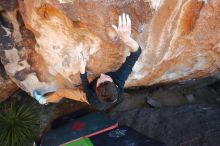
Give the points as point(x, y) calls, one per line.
point(82, 65)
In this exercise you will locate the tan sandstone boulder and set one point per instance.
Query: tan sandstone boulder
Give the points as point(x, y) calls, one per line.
point(41, 44)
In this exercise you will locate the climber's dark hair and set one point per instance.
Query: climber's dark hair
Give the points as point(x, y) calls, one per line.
point(107, 92)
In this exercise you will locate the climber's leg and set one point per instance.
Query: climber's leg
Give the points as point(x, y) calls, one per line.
point(54, 97)
point(74, 94)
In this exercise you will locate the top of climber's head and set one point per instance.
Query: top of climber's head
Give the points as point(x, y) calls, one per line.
point(106, 89)
point(103, 78)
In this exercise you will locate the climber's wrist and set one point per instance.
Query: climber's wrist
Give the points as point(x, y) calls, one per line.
point(132, 44)
point(82, 70)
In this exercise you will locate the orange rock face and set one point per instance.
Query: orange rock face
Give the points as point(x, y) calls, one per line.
point(45, 39)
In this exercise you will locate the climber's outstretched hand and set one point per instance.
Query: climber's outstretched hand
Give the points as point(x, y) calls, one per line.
point(124, 28)
point(124, 31)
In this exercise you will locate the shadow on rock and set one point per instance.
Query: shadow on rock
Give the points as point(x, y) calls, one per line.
point(197, 125)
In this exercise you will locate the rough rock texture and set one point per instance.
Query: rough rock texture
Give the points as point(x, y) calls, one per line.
point(42, 41)
point(195, 125)
point(7, 86)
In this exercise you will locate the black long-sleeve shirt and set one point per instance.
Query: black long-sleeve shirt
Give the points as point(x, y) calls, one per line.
point(119, 77)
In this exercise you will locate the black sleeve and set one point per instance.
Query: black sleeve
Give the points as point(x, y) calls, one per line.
point(121, 75)
point(86, 87)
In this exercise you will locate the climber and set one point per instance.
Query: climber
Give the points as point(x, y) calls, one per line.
point(105, 90)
